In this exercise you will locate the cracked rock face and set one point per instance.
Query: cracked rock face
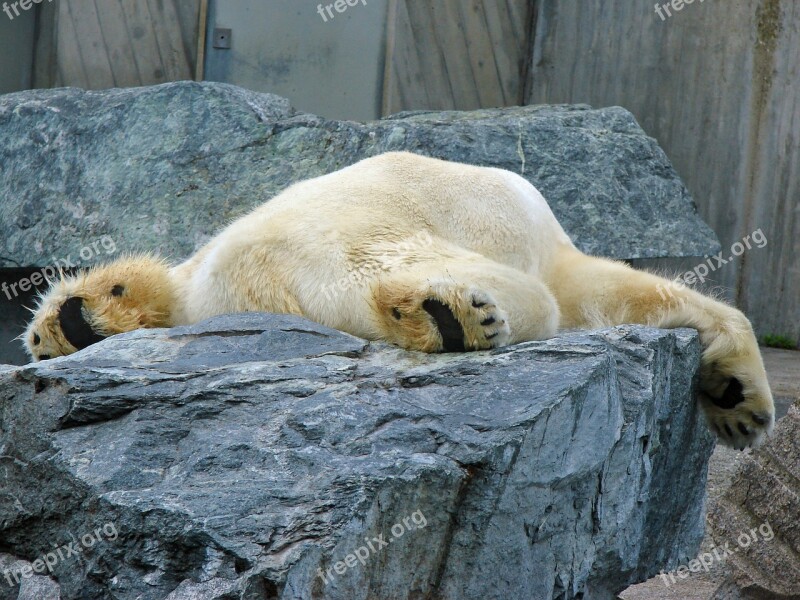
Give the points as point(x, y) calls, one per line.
point(163, 168)
point(263, 456)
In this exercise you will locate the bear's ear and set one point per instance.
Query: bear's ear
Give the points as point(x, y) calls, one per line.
point(74, 326)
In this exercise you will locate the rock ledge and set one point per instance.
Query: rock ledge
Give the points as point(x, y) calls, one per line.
point(244, 456)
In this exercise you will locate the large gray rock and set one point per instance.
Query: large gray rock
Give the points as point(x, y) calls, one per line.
point(162, 168)
point(235, 458)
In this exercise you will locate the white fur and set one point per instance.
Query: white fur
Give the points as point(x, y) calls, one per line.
point(367, 248)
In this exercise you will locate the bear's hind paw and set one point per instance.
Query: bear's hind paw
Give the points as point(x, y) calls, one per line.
point(739, 417)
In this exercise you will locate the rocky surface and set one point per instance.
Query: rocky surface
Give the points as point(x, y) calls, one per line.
point(758, 516)
point(723, 580)
point(162, 168)
point(244, 456)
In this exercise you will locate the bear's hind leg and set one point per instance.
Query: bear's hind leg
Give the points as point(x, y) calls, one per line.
point(735, 393)
point(464, 303)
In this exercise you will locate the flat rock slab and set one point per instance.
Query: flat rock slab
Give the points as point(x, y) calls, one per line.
point(258, 456)
point(163, 168)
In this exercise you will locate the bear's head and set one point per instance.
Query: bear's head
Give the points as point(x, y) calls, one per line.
point(83, 309)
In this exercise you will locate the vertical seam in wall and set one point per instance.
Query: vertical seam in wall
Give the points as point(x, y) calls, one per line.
point(37, 32)
point(389, 48)
point(530, 41)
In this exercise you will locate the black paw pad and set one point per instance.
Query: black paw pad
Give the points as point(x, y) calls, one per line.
point(450, 329)
point(732, 395)
point(77, 331)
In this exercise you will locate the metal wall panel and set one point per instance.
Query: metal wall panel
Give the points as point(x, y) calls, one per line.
point(330, 66)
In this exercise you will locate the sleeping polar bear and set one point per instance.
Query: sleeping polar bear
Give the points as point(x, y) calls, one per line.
point(427, 254)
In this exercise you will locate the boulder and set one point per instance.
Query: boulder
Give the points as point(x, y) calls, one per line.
point(757, 518)
point(263, 456)
point(162, 168)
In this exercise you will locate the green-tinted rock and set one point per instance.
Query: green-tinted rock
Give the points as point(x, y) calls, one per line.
point(163, 168)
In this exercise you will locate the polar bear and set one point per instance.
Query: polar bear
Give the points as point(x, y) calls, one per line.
point(427, 254)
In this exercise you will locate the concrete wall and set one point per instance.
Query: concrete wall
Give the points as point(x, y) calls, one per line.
point(717, 83)
point(456, 54)
point(16, 50)
point(121, 43)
